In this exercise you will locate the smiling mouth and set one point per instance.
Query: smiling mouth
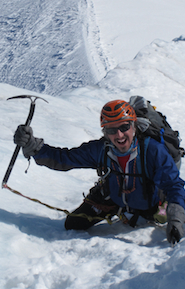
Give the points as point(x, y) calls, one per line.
point(121, 141)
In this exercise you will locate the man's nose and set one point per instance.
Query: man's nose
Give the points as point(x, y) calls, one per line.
point(120, 133)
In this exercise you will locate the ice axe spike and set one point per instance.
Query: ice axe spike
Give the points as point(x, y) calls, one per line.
point(27, 123)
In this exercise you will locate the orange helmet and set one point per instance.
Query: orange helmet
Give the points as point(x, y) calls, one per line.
point(117, 111)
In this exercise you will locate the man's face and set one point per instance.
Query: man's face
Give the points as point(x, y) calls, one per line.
point(121, 139)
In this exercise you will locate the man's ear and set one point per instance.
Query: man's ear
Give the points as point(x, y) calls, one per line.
point(134, 129)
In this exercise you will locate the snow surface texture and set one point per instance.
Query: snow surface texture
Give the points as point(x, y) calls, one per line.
point(36, 251)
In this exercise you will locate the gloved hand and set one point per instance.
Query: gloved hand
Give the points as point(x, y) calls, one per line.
point(176, 219)
point(24, 138)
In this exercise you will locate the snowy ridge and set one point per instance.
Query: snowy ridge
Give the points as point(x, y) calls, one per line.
point(96, 53)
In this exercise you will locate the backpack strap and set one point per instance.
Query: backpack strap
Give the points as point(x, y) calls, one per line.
point(104, 167)
point(142, 159)
point(102, 162)
point(103, 170)
point(147, 183)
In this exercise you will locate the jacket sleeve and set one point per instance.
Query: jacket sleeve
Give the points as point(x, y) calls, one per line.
point(163, 171)
point(64, 159)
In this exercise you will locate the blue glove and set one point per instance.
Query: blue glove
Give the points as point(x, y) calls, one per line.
point(24, 138)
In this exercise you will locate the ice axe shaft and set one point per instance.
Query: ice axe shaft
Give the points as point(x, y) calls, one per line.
point(27, 123)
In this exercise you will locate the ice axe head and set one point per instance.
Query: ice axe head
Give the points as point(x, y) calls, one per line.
point(33, 98)
point(32, 106)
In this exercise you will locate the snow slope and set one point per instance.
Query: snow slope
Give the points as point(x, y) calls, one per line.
point(36, 251)
point(42, 47)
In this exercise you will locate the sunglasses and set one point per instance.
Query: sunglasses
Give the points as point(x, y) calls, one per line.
point(113, 130)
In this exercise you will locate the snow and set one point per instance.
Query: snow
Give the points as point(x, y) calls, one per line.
point(79, 55)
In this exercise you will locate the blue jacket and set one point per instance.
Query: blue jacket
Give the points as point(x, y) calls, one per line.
point(160, 168)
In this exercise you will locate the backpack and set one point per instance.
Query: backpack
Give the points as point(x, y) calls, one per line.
point(153, 123)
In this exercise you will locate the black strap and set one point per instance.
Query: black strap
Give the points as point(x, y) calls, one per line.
point(103, 166)
point(147, 184)
point(126, 174)
point(143, 173)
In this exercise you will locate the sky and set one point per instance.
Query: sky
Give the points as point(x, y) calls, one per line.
point(120, 49)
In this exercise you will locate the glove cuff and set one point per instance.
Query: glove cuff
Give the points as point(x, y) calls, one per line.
point(175, 212)
point(33, 146)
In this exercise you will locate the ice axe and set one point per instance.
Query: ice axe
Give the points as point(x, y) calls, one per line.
point(27, 123)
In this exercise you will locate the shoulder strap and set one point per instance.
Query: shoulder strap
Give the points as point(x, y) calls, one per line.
point(147, 184)
point(143, 174)
point(102, 166)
